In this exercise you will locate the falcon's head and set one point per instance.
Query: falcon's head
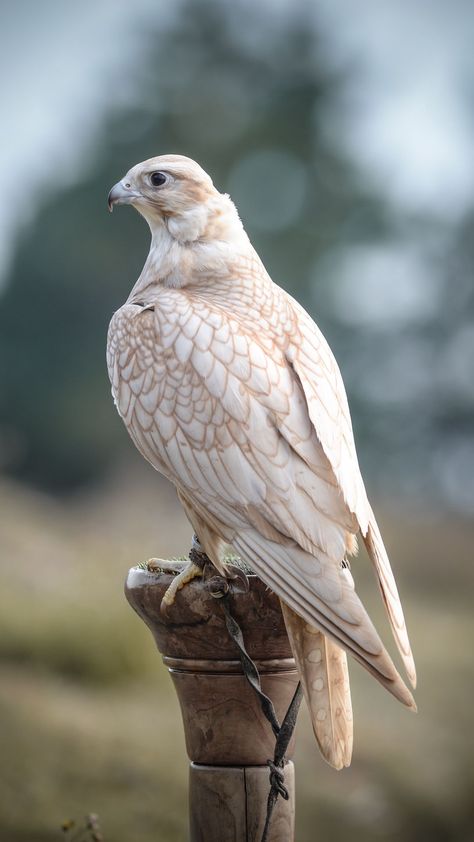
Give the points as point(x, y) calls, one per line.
point(175, 192)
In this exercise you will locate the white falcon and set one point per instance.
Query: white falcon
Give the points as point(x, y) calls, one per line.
point(229, 389)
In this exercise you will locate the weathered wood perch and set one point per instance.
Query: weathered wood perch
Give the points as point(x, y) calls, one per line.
point(228, 739)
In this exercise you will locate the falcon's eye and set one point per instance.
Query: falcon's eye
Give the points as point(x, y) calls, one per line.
point(157, 178)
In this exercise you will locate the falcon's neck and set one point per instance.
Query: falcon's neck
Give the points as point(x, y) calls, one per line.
point(176, 263)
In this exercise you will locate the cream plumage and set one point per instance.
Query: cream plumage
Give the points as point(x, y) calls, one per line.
point(229, 389)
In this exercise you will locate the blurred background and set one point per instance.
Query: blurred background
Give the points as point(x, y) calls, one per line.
point(345, 137)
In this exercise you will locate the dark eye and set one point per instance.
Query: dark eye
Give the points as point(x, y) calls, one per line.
point(157, 178)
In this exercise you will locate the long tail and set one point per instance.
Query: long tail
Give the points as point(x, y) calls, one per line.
point(322, 666)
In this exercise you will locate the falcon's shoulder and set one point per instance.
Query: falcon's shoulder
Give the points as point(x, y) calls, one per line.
point(131, 349)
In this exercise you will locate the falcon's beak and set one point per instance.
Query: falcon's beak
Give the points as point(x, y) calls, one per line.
point(121, 194)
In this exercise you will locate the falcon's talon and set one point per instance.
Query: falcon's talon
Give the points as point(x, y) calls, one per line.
point(189, 572)
point(163, 565)
point(218, 586)
point(239, 581)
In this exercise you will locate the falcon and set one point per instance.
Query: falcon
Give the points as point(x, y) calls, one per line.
point(229, 389)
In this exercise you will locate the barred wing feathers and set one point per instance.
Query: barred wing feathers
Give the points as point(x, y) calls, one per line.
point(230, 416)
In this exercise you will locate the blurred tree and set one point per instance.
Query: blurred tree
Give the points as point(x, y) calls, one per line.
point(249, 103)
point(243, 102)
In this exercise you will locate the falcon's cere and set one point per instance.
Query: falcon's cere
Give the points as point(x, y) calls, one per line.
point(229, 389)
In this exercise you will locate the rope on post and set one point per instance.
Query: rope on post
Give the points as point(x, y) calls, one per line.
point(220, 588)
point(277, 779)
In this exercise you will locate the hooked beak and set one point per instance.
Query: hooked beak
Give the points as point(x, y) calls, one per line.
point(121, 194)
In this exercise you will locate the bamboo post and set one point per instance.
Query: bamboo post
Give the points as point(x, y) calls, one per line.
point(228, 740)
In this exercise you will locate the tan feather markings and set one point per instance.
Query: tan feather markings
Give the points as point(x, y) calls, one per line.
point(230, 390)
point(324, 675)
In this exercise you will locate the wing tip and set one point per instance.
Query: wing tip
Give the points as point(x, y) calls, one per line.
point(377, 552)
point(412, 678)
point(412, 705)
point(403, 694)
point(410, 669)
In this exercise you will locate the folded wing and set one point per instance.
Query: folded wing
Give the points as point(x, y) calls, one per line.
point(256, 434)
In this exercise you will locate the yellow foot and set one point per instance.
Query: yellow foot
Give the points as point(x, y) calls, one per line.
point(164, 565)
point(189, 572)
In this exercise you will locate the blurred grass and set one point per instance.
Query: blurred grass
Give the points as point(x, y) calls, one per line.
point(88, 719)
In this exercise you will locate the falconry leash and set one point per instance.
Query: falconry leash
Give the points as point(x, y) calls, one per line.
point(221, 588)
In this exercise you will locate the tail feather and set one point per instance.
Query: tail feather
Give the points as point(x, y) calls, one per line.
point(322, 666)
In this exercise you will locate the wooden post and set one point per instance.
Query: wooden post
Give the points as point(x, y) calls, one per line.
point(228, 739)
